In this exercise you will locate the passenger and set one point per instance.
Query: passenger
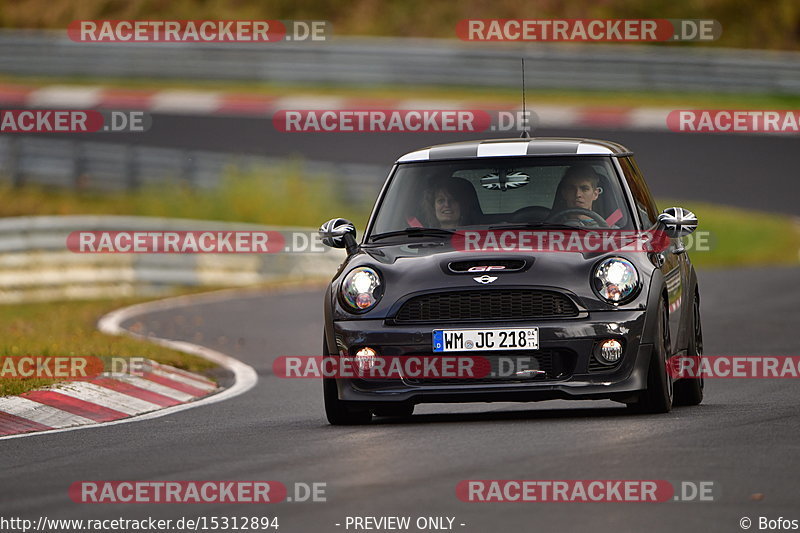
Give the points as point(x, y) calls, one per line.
point(450, 203)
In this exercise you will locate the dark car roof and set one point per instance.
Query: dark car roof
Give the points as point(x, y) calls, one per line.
point(515, 147)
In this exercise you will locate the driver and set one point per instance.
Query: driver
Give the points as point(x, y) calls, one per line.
point(579, 188)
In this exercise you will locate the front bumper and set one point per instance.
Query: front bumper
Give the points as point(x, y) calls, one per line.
point(578, 337)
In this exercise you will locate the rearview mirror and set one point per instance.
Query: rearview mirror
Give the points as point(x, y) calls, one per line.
point(339, 233)
point(677, 222)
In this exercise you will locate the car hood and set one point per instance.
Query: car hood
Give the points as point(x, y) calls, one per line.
point(433, 266)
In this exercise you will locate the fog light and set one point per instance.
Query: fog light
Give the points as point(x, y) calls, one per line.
point(610, 351)
point(365, 359)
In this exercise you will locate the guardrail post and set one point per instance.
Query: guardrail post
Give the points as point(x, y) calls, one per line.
point(79, 177)
point(131, 168)
point(15, 161)
point(189, 167)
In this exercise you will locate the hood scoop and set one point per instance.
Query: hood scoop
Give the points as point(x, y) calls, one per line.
point(473, 266)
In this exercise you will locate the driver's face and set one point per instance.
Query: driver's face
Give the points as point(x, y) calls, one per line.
point(579, 192)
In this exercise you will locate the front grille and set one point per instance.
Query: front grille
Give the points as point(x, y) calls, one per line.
point(511, 304)
point(556, 364)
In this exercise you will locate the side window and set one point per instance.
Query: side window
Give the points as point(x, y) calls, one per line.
point(641, 194)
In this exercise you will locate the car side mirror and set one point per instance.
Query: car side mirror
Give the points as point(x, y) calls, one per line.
point(676, 223)
point(339, 233)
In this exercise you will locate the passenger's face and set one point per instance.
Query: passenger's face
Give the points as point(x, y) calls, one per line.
point(579, 192)
point(448, 210)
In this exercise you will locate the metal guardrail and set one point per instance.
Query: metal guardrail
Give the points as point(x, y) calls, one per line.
point(394, 61)
point(35, 264)
point(112, 166)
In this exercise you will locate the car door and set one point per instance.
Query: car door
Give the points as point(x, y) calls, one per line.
point(674, 265)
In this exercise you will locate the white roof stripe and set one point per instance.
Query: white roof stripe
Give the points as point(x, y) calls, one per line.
point(589, 148)
point(502, 149)
point(40, 413)
point(419, 155)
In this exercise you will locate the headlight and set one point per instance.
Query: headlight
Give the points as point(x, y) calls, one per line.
point(361, 289)
point(615, 279)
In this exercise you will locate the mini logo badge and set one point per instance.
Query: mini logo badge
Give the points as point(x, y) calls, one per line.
point(485, 279)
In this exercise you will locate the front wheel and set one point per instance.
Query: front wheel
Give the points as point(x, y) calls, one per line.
point(658, 396)
point(689, 391)
point(340, 412)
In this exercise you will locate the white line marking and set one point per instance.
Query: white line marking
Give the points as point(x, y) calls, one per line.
point(320, 103)
point(551, 115)
point(151, 386)
point(186, 380)
point(171, 371)
point(244, 375)
point(430, 105)
point(178, 101)
point(40, 413)
point(105, 397)
point(64, 96)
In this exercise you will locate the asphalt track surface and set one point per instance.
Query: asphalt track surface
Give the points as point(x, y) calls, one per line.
point(744, 437)
point(742, 170)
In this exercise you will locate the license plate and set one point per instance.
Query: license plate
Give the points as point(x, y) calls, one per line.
point(477, 340)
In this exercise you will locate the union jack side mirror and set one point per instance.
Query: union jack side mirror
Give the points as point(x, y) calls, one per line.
point(677, 222)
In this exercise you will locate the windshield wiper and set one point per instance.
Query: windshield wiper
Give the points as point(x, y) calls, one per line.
point(413, 232)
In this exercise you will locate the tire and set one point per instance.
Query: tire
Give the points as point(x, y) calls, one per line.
point(403, 410)
point(689, 391)
point(340, 412)
point(658, 396)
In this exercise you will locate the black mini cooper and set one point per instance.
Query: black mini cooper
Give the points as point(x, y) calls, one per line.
point(499, 250)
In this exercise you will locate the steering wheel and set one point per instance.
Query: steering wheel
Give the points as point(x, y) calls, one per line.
point(561, 216)
point(533, 213)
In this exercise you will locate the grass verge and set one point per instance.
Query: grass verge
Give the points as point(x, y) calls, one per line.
point(275, 196)
point(742, 237)
point(69, 329)
point(487, 97)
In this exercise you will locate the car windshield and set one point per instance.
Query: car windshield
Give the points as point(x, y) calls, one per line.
point(489, 193)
